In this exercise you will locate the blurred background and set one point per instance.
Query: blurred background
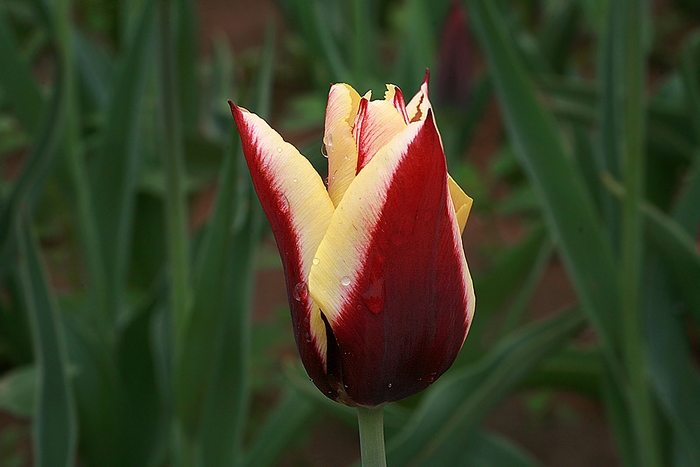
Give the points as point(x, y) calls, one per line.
point(143, 313)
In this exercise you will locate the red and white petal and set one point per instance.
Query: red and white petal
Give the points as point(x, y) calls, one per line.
point(377, 122)
point(417, 108)
point(343, 103)
point(394, 95)
point(297, 205)
point(390, 274)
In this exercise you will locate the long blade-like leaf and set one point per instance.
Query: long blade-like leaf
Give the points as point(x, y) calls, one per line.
point(486, 449)
point(20, 89)
point(55, 427)
point(114, 167)
point(280, 429)
point(567, 206)
point(457, 403)
point(213, 361)
point(29, 184)
point(674, 374)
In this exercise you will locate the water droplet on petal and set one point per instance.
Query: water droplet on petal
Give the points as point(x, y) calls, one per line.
point(389, 385)
point(324, 151)
point(307, 336)
point(284, 204)
point(295, 180)
point(301, 291)
point(279, 149)
point(374, 296)
point(316, 261)
point(345, 280)
point(328, 140)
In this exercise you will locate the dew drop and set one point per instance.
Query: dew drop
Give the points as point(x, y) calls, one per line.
point(307, 336)
point(301, 291)
point(284, 204)
point(324, 151)
point(345, 280)
point(306, 320)
point(316, 261)
point(389, 385)
point(358, 307)
point(373, 297)
point(295, 180)
point(431, 378)
point(328, 140)
point(279, 149)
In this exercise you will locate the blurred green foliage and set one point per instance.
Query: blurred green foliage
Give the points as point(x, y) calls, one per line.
point(136, 347)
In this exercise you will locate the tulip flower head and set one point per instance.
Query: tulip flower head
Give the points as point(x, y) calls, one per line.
point(378, 285)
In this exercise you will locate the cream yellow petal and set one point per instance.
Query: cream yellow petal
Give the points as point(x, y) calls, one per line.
point(343, 102)
point(461, 202)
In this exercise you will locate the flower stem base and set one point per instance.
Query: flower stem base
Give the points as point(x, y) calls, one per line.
point(371, 422)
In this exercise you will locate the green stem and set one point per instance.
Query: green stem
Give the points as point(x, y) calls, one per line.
point(73, 151)
point(173, 166)
point(640, 394)
point(170, 145)
point(371, 421)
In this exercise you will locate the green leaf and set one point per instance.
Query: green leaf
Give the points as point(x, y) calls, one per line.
point(675, 246)
point(18, 388)
point(314, 20)
point(280, 429)
point(97, 394)
point(19, 87)
point(690, 68)
point(213, 363)
point(27, 189)
point(486, 449)
point(573, 369)
point(95, 70)
point(618, 417)
point(559, 32)
point(568, 208)
point(55, 427)
point(141, 427)
point(113, 170)
point(687, 209)
point(679, 254)
point(457, 403)
point(673, 371)
point(187, 53)
point(498, 286)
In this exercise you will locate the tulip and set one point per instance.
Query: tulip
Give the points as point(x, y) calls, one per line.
point(378, 285)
